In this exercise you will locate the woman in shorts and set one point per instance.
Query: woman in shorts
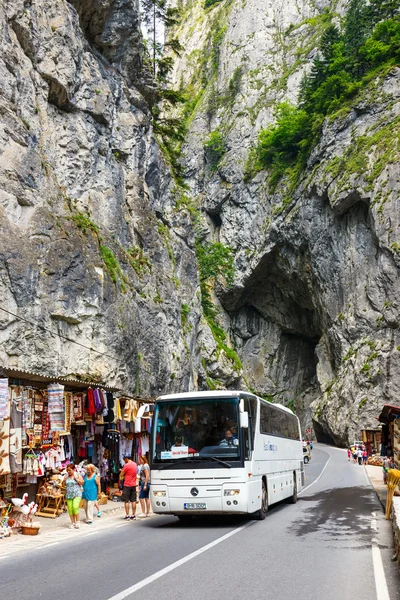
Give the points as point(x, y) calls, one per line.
point(73, 494)
point(144, 490)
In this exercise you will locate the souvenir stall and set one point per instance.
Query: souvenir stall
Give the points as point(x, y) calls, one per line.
point(45, 425)
point(390, 434)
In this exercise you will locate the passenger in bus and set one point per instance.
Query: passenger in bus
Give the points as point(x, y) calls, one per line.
point(178, 443)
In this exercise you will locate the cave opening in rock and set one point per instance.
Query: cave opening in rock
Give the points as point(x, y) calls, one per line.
point(276, 326)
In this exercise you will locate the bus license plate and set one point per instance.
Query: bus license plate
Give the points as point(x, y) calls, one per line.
point(194, 505)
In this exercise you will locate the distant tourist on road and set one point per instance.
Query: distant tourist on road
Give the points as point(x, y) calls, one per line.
point(360, 456)
point(365, 456)
point(73, 494)
point(91, 491)
point(128, 475)
point(348, 454)
point(144, 492)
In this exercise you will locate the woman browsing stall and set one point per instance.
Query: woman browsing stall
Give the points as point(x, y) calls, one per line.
point(73, 495)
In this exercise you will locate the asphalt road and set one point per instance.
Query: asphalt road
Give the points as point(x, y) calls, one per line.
point(333, 544)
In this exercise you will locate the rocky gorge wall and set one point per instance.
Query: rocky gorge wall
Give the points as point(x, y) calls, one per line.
point(98, 267)
point(93, 276)
point(313, 311)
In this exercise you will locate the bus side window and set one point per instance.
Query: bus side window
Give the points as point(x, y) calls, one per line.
point(293, 427)
point(265, 418)
point(279, 423)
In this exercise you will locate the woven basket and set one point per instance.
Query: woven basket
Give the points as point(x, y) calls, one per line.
point(29, 530)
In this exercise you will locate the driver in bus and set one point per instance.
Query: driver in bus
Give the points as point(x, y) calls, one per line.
point(230, 439)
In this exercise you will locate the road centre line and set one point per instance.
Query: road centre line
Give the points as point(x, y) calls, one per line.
point(141, 584)
point(382, 592)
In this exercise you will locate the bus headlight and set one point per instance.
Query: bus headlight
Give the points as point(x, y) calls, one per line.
point(159, 494)
point(231, 492)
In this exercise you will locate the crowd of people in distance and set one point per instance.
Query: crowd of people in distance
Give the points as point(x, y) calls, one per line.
point(359, 454)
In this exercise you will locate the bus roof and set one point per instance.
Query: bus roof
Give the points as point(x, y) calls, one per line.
point(207, 394)
point(218, 394)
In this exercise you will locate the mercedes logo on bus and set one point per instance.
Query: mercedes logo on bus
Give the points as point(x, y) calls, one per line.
point(194, 492)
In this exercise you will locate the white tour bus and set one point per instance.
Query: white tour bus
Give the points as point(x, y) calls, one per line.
point(224, 452)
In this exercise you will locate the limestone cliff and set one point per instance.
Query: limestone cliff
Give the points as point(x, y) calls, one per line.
point(98, 243)
point(87, 251)
point(313, 311)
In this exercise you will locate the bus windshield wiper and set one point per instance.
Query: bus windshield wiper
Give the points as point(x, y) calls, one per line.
point(217, 460)
point(180, 460)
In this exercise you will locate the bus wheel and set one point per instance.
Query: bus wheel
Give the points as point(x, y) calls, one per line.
point(261, 514)
point(293, 498)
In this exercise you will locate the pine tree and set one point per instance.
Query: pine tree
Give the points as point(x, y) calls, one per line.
point(356, 29)
point(380, 10)
point(157, 14)
point(329, 38)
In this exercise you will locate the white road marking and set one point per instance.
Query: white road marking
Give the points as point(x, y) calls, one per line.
point(52, 544)
point(382, 592)
point(320, 475)
point(141, 584)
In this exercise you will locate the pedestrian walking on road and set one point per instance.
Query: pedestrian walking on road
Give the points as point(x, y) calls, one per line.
point(73, 494)
point(129, 475)
point(348, 454)
point(144, 493)
point(359, 456)
point(91, 491)
point(365, 456)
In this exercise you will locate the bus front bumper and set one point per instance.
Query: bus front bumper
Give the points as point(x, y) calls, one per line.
point(199, 500)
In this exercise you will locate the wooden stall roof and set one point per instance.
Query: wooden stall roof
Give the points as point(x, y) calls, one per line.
point(40, 380)
point(389, 412)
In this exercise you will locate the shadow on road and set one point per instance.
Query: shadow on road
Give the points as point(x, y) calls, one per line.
point(338, 514)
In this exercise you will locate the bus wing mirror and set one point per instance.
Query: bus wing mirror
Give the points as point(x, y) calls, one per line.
point(244, 420)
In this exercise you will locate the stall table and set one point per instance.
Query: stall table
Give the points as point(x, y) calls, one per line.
point(50, 506)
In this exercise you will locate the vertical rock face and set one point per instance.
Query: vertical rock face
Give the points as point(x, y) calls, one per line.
point(92, 273)
point(98, 270)
point(313, 312)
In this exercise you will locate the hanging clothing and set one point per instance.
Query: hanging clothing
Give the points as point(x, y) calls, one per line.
point(16, 431)
point(5, 410)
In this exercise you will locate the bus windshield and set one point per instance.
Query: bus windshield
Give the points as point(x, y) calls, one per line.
point(196, 429)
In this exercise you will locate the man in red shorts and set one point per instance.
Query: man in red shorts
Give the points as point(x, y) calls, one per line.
point(128, 475)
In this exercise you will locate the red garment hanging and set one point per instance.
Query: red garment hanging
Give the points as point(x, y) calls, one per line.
point(92, 410)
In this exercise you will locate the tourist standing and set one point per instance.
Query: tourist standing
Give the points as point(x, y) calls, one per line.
point(365, 456)
point(359, 455)
point(73, 494)
point(144, 493)
point(348, 454)
point(91, 491)
point(128, 476)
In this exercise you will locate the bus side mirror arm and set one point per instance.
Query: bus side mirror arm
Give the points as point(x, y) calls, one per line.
point(244, 420)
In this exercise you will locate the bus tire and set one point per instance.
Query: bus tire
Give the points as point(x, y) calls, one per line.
point(262, 513)
point(293, 499)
